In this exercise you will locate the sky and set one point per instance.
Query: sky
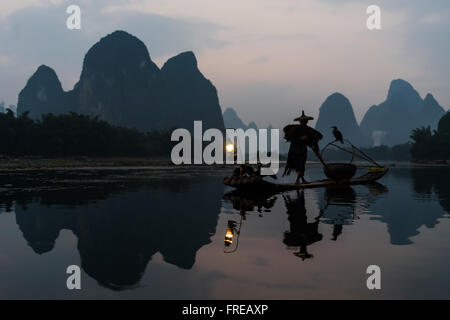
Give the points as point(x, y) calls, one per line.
point(267, 58)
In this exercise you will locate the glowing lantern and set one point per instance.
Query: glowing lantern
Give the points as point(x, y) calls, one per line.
point(229, 235)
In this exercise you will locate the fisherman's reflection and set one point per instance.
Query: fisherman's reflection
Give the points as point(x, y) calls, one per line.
point(301, 233)
point(337, 230)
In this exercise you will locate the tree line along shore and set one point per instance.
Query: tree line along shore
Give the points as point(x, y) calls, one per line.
point(76, 140)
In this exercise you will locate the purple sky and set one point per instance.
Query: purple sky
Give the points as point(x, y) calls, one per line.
point(266, 58)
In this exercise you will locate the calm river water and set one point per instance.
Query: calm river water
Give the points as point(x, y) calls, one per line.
point(159, 234)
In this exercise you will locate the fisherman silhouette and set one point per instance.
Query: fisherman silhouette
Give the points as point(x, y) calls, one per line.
point(337, 230)
point(338, 135)
point(301, 233)
point(300, 136)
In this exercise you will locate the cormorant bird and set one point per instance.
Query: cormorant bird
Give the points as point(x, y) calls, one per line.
point(338, 135)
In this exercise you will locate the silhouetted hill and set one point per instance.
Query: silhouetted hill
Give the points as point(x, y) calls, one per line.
point(337, 111)
point(253, 125)
point(120, 84)
point(232, 120)
point(192, 95)
point(432, 111)
point(392, 121)
point(42, 94)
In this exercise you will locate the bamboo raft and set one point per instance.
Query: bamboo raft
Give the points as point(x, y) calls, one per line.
point(256, 183)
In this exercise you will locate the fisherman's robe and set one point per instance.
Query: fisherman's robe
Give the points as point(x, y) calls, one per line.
point(298, 149)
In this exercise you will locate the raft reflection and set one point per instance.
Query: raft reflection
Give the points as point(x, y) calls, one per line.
point(339, 206)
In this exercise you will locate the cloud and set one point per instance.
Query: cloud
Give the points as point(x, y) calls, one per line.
point(38, 35)
point(248, 49)
point(9, 7)
point(256, 60)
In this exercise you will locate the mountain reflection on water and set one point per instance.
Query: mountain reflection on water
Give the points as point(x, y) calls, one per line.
point(119, 226)
point(405, 215)
point(122, 218)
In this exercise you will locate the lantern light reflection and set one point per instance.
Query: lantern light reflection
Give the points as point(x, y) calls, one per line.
point(229, 235)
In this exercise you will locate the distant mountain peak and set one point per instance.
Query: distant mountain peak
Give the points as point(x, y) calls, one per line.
point(429, 96)
point(46, 75)
point(252, 125)
point(186, 58)
point(337, 110)
point(122, 85)
point(192, 92)
point(339, 104)
point(430, 100)
point(118, 36)
point(43, 93)
point(432, 111)
point(400, 87)
point(335, 100)
point(117, 50)
point(230, 111)
point(119, 33)
point(232, 120)
point(45, 69)
point(400, 84)
point(185, 62)
point(403, 103)
point(337, 95)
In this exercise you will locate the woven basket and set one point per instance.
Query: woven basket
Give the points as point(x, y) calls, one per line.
point(339, 171)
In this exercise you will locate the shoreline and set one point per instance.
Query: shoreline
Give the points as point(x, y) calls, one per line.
point(29, 164)
point(23, 163)
point(85, 163)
